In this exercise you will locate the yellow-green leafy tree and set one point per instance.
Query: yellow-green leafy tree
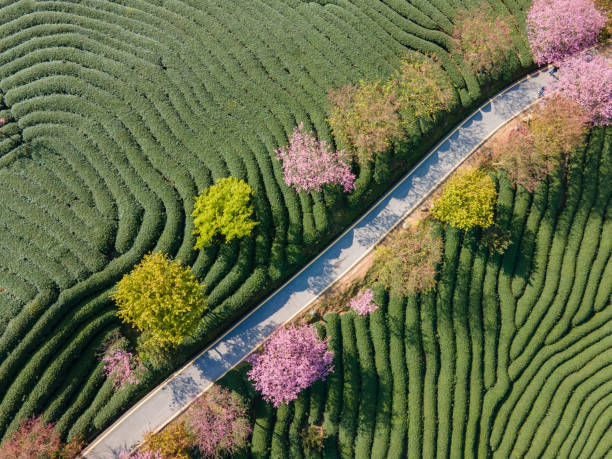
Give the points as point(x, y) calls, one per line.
point(223, 209)
point(467, 201)
point(174, 442)
point(162, 299)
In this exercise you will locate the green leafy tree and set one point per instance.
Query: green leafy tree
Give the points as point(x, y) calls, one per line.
point(162, 299)
point(467, 201)
point(223, 208)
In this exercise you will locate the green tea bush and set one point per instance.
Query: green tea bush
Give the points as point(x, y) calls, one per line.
point(397, 361)
point(279, 445)
point(380, 340)
point(76, 377)
point(300, 412)
point(262, 429)
point(369, 387)
point(415, 373)
point(350, 387)
point(55, 373)
point(317, 391)
point(333, 403)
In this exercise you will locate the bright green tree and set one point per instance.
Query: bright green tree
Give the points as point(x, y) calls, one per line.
point(223, 208)
point(162, 299)
point(467, 201)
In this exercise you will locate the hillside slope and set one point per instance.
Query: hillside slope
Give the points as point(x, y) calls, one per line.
point(121, 112)
point(510, 356)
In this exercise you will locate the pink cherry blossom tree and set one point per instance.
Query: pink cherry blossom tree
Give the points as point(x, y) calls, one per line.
point(309, 163)
point(587, 80)
point(122, 367)
point(34, 439)
point(558, 28)
point(219, 423)
point(363, 303)
point(292, 359)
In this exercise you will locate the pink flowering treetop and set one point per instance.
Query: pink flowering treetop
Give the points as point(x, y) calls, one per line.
point(363, 303)
point(219, 423)
point(122, 367)
point(292, 359)
point(34, 439)
point(309, 163)
point(558, 28)
point(587, 80)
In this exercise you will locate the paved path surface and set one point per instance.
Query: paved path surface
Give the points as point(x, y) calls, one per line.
point(168, 399)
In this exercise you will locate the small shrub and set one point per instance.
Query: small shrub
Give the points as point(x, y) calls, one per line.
point(363, 303)
point(152, 354)
point(225, 209)
point(122, 367)
point(482, 37)
point(313, 438)
point(496, 239)
point(162, 299)
point(408, 259)
point(218, 422)
point(292, 359)
point(173, 442)
point(467, 200)
point(308, 163)
point(559, 28)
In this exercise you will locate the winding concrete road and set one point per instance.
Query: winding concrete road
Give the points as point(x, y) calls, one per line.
point(174, 395)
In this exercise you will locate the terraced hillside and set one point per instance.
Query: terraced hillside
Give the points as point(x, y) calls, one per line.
point(511, 356)
point(121, 112)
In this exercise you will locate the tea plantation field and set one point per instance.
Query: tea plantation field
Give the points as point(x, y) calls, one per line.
point(511, 356)
point(120, 112)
